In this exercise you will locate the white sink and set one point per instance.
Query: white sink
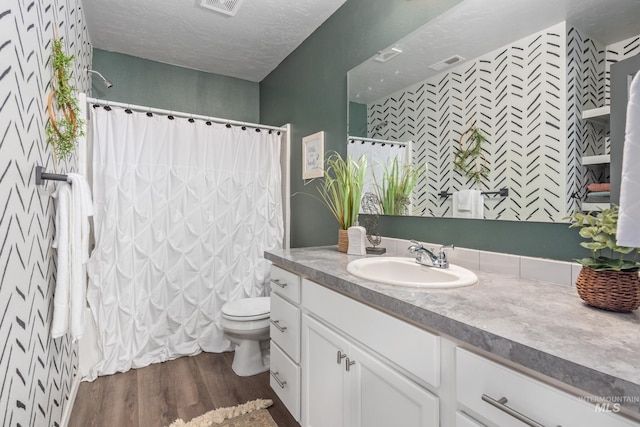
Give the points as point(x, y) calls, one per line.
point(402, 271)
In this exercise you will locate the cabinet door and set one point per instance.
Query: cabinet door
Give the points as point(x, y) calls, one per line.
point(381, 397)
point(323, 381)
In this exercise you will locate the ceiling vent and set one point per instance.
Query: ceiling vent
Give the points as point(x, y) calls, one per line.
point(387, 54)
point(449, 62)
point(227, 7)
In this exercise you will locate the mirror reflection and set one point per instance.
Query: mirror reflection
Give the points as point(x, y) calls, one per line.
point(498, 109)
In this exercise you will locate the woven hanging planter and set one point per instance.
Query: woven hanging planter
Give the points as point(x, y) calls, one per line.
point(609, 290)
point(343, 240)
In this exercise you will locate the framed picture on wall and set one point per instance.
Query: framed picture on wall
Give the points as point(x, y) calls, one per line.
point(312, 155)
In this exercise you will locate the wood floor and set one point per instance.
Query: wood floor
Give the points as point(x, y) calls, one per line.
point(157, 395)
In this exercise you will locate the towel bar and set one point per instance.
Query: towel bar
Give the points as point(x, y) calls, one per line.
point(41, 175)
point(503, 192)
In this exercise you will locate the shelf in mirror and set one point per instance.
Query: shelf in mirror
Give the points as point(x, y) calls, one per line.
point(594, 207)
point(597, 115)
point(602, 159)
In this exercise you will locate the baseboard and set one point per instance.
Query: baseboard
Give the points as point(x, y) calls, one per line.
point(66, 415)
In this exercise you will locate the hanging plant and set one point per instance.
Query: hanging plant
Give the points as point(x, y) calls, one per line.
point(64, 126)
point(469, 159)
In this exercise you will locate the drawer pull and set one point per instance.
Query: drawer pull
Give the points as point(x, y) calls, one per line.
point(347, 363)
point(278, 283)
point(501, 404)
point(276, 323)
point(281, 383)
point(340, 356)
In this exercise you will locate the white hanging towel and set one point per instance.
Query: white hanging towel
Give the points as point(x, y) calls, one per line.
point(468, 204)
point(628, 233)
point(73, 209)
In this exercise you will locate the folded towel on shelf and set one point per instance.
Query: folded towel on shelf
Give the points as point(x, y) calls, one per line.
point(599, 194)
point(73, 209)
point(468, 204)
point(599, 187)
point(628, 232)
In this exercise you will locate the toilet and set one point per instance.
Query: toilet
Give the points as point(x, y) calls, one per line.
point(245, 322)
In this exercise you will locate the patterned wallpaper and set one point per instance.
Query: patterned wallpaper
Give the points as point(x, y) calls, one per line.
point(503, 93)
point(37, 372)
point(585, 90)
point(617, 52)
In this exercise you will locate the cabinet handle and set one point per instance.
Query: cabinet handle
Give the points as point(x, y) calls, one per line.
point(276, 323)
point(281, 383)
point(277, 282)
point(347, 363)
point(340, 356)
point(501, 404)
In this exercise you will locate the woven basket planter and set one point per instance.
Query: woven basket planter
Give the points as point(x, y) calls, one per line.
point(343, 240)
point(609, 290)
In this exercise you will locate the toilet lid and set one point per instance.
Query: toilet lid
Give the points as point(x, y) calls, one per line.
point(248, 308)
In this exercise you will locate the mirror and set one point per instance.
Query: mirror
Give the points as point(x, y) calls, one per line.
point(522, 73)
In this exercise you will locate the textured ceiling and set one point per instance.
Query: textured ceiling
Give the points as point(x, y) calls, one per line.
point(476, 27)
point(248, 45)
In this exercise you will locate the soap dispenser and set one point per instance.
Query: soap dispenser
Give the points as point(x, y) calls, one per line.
point(357, 240)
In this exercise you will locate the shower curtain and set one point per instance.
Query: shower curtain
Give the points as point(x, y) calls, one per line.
point(378, 157)
point(184, 211)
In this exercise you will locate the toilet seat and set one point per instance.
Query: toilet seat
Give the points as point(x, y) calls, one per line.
point(247, 309)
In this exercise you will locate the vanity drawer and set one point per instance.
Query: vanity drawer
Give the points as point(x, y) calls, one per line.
point(407, 347)
point(285, 283)
point(285, 326)
point(477, 376)
point(285, 380)
point(462, 420)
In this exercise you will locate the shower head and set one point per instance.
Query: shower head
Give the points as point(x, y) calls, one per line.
point(380, 126)
point(106, 82)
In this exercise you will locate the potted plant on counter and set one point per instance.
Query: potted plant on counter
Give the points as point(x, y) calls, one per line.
point(341, 191)
point(609, 282)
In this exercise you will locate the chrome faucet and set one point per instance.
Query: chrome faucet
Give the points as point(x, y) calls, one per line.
point(439, 260)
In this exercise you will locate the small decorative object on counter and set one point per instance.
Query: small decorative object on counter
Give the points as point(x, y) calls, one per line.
point(371, 207)
point(611, 283)
point(357, 240)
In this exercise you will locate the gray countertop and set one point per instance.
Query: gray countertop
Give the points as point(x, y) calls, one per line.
point(541, 326)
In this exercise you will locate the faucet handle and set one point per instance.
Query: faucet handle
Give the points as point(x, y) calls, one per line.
point(415, 246)
point(442, 256)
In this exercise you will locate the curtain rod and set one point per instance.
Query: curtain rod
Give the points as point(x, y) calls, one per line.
point(144, 109)
point(382, 141)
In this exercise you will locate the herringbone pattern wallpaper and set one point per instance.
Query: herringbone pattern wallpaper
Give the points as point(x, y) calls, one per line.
point(585, 90)
point(37, 371)
point(502, 93)
point(517, 96)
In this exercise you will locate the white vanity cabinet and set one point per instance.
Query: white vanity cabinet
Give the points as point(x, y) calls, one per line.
point(337, 362)
point(285, 338)
point(503, 397)
point(346, 380)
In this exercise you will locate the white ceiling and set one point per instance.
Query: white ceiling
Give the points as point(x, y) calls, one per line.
point(476, 27)
point(248, 45)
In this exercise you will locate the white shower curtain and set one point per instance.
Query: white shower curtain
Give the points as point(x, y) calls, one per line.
point(378, 157)
point(184, 212)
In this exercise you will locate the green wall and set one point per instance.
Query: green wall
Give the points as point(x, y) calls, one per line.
point(357, 119)
point(309, 90)
point(149, 83)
